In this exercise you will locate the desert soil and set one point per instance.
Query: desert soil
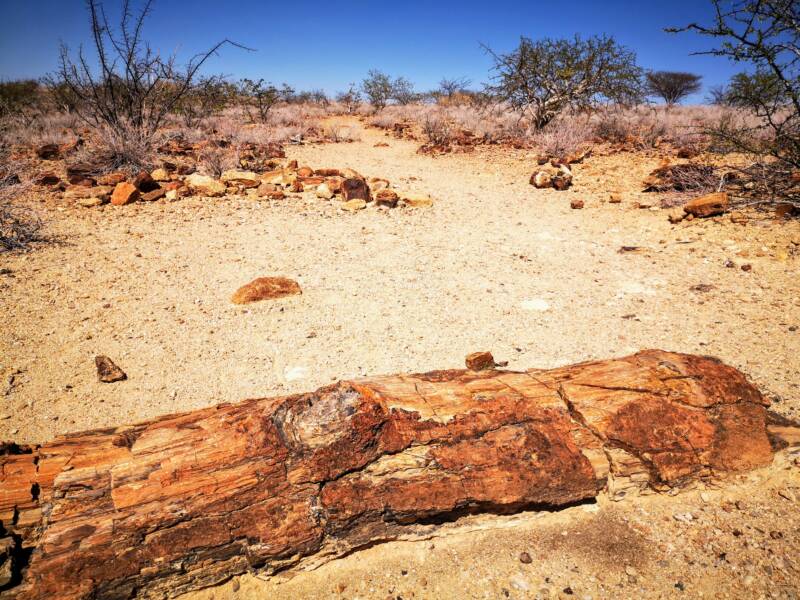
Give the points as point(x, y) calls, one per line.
point(493, 265)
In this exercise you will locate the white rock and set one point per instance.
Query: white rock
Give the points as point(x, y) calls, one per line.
point(539, 304)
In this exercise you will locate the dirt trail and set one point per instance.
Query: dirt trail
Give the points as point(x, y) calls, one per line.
point(493, 265)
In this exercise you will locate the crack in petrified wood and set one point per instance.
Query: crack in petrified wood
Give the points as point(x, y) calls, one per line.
point(186, 501)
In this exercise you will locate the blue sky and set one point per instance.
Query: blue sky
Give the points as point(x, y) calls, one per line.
point(316, 44)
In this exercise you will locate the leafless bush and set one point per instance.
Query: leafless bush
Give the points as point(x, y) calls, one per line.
point(19, 226)
point(341, 133)
point(437, 130)
point(214, 159)
point(133, 88)
point(563, 136)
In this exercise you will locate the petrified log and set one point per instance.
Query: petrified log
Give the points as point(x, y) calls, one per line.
point(186, 501)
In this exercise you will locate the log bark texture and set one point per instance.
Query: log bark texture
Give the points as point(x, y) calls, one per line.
point(186, 501)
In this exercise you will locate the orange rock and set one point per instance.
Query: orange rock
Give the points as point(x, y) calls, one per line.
point(265, 288)
point(386, 197)
point(708, 205)
point(124, 193)
point(576, 204)
point(479, 361)
point(111, 178)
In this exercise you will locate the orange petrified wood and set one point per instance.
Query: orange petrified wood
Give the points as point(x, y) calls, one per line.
point(186, 501)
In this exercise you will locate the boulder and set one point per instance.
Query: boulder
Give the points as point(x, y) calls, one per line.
point(124, 193)
point(265, 288)
point(354, 188)
point(708, 205)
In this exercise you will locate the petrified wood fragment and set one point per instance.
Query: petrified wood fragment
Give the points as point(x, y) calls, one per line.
point(186, 501)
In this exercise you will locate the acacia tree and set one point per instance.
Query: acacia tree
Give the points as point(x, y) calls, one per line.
point(260, 97)
point(450, 87)
point(541, 78)
point(403, 91)
point(350, 98)
point(132, 89)
point(377, 87)
point(766, 35)
point(672, 86)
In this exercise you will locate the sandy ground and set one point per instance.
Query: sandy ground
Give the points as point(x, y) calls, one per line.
point(493, 265)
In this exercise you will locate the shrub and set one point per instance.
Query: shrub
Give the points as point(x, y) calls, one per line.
point(766, 35)
point(563, 136)
point(260, 97)
point(437, 130)
point(544, 77)
point(20, 98)
point(19, 226)
point(350, 98)
point(132, 89)
point(403, 91)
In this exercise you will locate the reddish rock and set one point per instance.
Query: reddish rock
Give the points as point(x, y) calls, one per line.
point(124, 193)
point(354, 188)
point(386, 197)
point(265, 288)
point(107, 371)
point(305, 172)
point(270, 481)
point(576, 204)
point(541, 180)
point(479, 361)
point(144, 182)
point(111, 178)
point(708, 205)
point(48, 151)
point(48, 178)
point(328, 172)
point(154, 195)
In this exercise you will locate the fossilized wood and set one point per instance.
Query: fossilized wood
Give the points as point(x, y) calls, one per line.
point(186, 501)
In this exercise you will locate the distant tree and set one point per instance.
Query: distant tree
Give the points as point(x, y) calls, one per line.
point(766, 34)
point(259, 97)
point(208, 96)
point(718, 95)
point(378, 88)
point(672, 86)
point(19, 97)
point(542, 78)
point(351, 98)
point(450, 87)
point(403, 91)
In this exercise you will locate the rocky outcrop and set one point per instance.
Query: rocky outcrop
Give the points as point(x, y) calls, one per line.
point(186, 501)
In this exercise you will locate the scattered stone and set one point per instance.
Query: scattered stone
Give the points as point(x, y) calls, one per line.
point(354, 188)
point(107, 371)
point(124, 193)
point(266, 288)
point(205, 185)
point(246, 179)
point(305, 172)
point(328, 172)
point(708, 205)
point(376, 183)
point(144, 183)
point(386, 197)
point(416, 201)
point(615, 198)
point(535, 304)
point(541, 180)
point(48, 151)
point(747, 267)
point(354, 205)
point(111, 179)
point(324, 191)
point(576, 204)
point(479, 361)
point(154, 195)
point(91, 202)
point(76, 192)
point(524, 557)
point(160, 174)
point(48, 178)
